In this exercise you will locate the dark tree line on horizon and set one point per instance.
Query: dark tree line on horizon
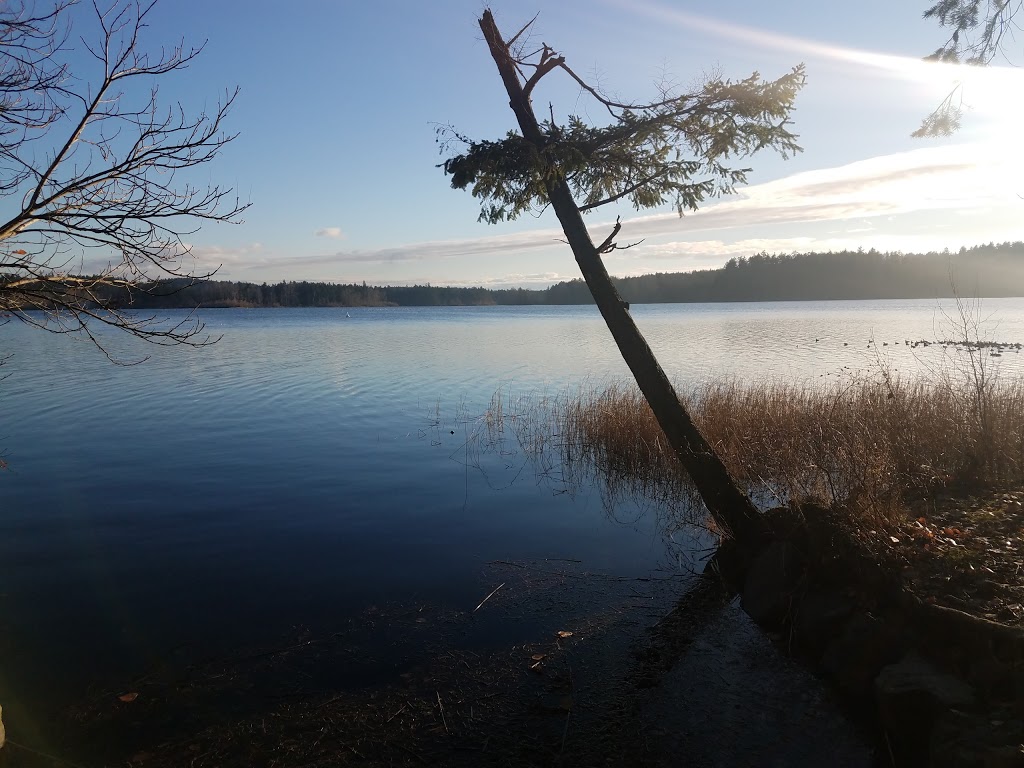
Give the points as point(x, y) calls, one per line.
point(991, 270)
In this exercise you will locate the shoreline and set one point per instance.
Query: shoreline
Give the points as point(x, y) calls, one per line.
point(596, 693)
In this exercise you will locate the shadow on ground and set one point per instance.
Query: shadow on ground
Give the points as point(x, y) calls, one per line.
point(611, 674)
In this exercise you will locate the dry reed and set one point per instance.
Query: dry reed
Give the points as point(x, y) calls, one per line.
point(868, 445)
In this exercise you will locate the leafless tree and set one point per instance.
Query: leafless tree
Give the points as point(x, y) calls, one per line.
point(96, 202)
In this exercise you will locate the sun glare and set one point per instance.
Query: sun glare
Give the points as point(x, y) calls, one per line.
point(991, 93)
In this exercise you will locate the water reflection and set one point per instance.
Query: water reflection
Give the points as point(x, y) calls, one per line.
point(537, 439)
point(311, 465)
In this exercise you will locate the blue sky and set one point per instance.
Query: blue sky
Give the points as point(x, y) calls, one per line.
point(339, 102)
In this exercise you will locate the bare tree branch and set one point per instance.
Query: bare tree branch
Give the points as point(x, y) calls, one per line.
point(526, 26)
point(548, 62)
point(102, 177)
point(625, 192)
point(609, 243)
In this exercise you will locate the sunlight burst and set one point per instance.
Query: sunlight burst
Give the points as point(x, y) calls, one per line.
point(992, 92)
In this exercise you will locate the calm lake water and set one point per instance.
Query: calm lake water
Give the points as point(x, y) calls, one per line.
point(316, 462)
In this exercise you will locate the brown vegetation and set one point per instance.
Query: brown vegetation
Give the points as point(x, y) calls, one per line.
point(923, 476)
point(871, 446)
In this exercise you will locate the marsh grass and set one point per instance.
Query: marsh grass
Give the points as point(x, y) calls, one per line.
point(869, 444)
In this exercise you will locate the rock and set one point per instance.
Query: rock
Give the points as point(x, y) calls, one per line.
point(963, 740)
point(854, 659)
point(911, 695)
point(992, 677)
point(771, 582)
point(1004, 756)
point(818, 620)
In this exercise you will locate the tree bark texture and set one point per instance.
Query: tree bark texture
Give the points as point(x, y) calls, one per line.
point(731, 509)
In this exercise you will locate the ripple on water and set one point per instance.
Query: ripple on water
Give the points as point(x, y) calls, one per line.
point(222, 492)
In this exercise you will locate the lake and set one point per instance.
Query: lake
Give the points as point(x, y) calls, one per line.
point(317, 463)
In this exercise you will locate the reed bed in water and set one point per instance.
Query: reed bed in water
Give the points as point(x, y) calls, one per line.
point(868, 445)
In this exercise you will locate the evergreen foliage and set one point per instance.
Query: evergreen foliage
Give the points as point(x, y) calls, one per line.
point(978, 28)
point(979, 31)
point(679, 150)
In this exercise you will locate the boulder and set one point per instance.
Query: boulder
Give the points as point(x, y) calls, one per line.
point(911, 696)
point(818, 619)
point(854, 659)
point(770, 583)
point(992, 677)
point(964, 740)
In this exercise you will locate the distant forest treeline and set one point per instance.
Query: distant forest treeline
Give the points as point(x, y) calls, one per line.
point(986, 270)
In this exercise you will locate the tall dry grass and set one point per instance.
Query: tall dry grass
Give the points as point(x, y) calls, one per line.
point(868, 445)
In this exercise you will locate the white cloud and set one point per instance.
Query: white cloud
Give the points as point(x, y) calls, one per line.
point(716, 250)
point(927, 198)
point(433, 251)
point(700, 254)
point(332, 232)
point(200, 260)
point(967, 177)
point(216, 255)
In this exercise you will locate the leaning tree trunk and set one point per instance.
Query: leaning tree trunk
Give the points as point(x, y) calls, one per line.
point(728, 505)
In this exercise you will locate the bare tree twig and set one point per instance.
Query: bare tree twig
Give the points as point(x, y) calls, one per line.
point(443, 718)
point(489, 596)
point(102, 177)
